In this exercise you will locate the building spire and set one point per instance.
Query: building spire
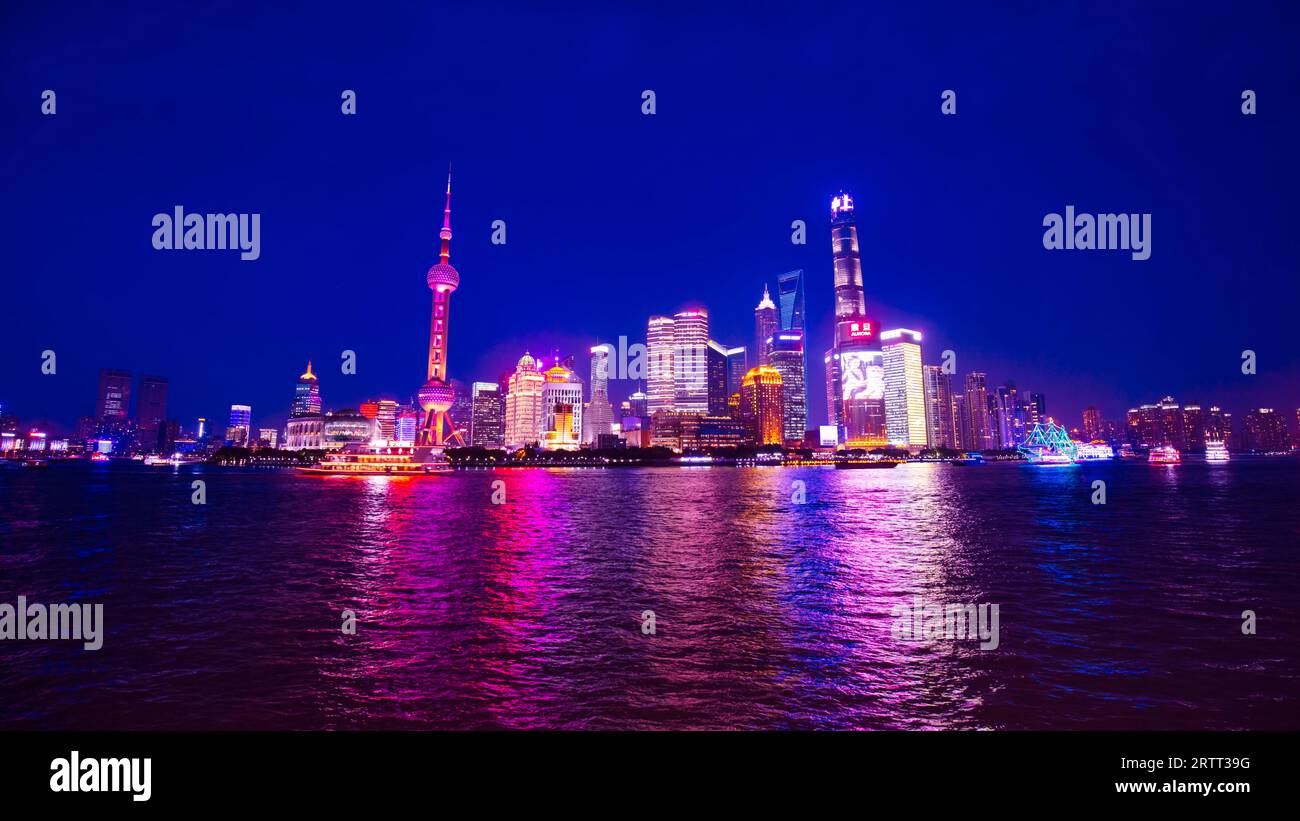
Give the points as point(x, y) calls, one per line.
point(445, 233)
point(767, 301)
point(308, 374)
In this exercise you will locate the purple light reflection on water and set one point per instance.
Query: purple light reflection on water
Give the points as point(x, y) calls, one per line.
point(769, 614)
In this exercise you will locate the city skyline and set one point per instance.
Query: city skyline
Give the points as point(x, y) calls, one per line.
point(702, 232)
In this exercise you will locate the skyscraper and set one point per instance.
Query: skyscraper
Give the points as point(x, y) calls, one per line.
point(1194, 428)
point(761, 403)
point(718, 379)
point(736, 368)
point(561, 409)
point(306, 395)
point(786, 356)
point(598, 419)
point(524, 404)
point(436, 396)
point(938, 403)
point(904, 388)
point(849, 298)
point(386, 414)
point(854, 374)
point(487, 426)
point(977, 410)
point(1091, 423)
point(691, 361)
point(114, 398)
point(765, 324)
point(241, 425)
point(1263, 430)
point(789, 289)
point(661, 389)
point(151, 412)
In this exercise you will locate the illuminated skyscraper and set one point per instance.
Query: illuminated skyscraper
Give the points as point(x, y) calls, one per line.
point(241, 425)
point(1194, 428)
point(854, 373)
point(762, 406)
point(977, 409)
point(691, 361)
point(938, 407)
point(904, 388)
point(736, 368)
point(1263, 430)
point(524, 404)
point(436, 396)
point(789, 289)
point(661, 388)
point(598, 419)
point(561, 409)
point(407, 425)
point(765, 324)
point(786, 355)
point(114, 398)
point(386, 414)
point(849, 298)
point(487, 429)
point(718, 393)
point(1092, 423)
point(306, 395)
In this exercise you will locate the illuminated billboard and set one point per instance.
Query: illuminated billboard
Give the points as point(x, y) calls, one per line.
point(857, 330)
point(862, 375)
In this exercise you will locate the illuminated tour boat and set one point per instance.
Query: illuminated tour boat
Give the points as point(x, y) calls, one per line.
point(1049, 444)
point(1216, 451)
point(1164, 455)
point(380, 460)
point(1095, 450)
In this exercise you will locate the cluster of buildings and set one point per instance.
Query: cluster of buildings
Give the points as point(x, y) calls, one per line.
point(693, 393)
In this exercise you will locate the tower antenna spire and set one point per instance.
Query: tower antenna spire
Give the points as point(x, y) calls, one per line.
point(445, 233)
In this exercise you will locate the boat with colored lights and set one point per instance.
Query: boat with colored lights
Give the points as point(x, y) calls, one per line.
point(866, 463)
point(1049, 444)
point(971, 458)
point(1164, 455)
point(1095, 450)
point(381, 460)
point(1216, 451)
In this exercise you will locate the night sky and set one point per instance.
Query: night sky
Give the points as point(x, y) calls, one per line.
point(613, 215)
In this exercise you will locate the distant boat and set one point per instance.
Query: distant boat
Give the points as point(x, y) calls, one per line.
point(1049, 444)
point(1126, 452)
point(971, 458)
point(1164, 455)
point(866, 463)
point(98, 457)
point(1216, 451)
point(1095, 450)
point(380, 460)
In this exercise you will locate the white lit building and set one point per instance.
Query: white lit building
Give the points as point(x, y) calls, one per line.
point(661, 390)
point(904, 388)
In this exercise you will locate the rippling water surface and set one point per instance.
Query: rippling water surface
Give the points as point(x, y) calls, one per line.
point(769, 614)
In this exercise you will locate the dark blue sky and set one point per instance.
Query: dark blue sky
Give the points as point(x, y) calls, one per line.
point(612, 215)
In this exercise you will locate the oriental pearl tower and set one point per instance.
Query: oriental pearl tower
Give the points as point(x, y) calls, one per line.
point(436, 395)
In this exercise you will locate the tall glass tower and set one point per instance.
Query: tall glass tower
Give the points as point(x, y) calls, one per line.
point(691, 361)
point(765, 324)
point(849, 299)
